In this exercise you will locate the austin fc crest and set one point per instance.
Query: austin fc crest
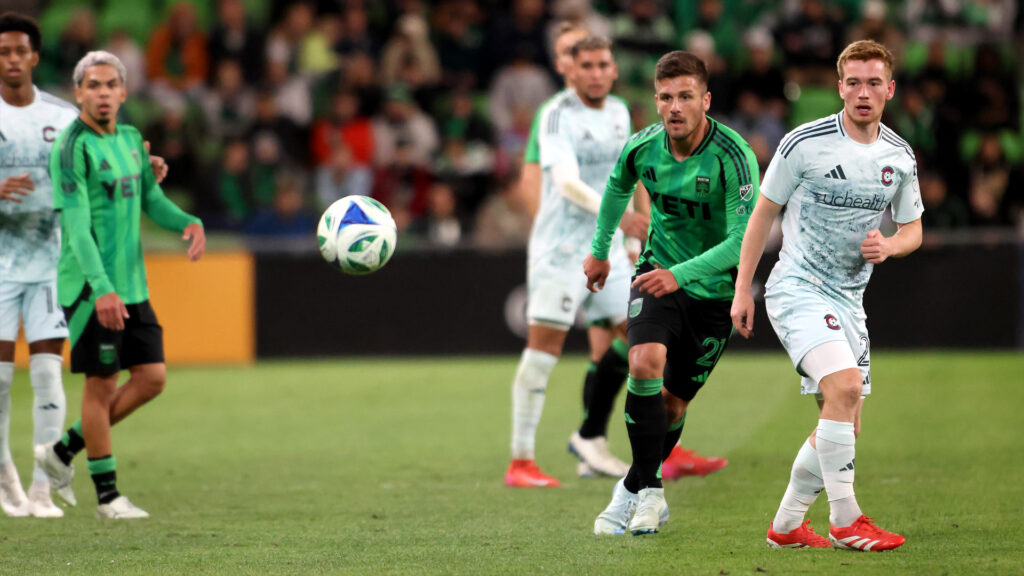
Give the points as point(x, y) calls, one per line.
point(703, 186)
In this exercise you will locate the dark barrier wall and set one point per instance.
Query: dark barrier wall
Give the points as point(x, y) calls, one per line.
point(468, 302)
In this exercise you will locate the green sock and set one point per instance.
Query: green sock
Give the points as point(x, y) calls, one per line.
point(71, 444)
point(104, 476)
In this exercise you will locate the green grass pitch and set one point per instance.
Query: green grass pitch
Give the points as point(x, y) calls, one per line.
point(394, 466)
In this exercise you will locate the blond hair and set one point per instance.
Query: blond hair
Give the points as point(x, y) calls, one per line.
point(864, 50)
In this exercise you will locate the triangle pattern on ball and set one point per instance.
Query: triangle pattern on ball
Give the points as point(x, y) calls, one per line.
point(355, 215)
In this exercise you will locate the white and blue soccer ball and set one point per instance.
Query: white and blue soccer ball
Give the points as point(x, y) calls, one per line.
point(357, 234)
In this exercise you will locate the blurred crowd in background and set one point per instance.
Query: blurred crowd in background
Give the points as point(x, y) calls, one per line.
point(269, 110)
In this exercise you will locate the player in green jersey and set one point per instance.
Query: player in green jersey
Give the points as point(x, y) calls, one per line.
point(702, 179)
point(100, 190)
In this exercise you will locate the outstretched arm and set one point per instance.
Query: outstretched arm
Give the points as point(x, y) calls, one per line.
point(758, 227)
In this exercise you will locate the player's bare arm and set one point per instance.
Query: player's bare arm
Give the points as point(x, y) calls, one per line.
point(597, 272)
point(754, 239)
point(877, 248)
point(197, 235)
point(16, 186)
point(111, 311)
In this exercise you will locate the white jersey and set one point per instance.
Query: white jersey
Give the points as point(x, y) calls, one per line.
point(835, 190)
point(30, 231)
point(592, 138)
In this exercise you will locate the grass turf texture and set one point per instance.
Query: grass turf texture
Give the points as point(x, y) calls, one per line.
point(395, 467)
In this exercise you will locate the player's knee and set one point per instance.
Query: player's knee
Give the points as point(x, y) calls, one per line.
point(848, 388)
point(152, 381)
point(645, 363)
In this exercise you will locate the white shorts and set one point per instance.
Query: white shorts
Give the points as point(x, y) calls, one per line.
point(805, 318)
point(558, 289)
point(36, 305)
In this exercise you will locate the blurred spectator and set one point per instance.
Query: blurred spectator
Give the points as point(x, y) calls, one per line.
point(343, 126)
point(467, 167)
point(173, 136)
point(722, 27)
point(360, 75)
point(459, 43)
point(991, 93)
point(876, 25)
point(341, 176)
point(641, 34)
point(402, 185)
point(291, 93)
point(503, 221)
point(995, 187)
point(519, 32)
point(438, 225)
point(752, 118)
point(233, 195)
point(763, 77)
point(401, 119)
point(942, 211)
point(518, 89)
point(702, 45)
point(581, 11)
point(810, 43)
point(229, 106)
point(234, 38)
point(355, 32)
point(408, 55)
point(915, 120)
point(78, 38)
point(285, 39)
point(288, 215)
point(275, 140)
point(176, 56)
point(125, 47)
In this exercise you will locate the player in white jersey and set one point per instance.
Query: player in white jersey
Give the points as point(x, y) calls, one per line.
point(30, 121)
point(581, 135)
point(835, 177)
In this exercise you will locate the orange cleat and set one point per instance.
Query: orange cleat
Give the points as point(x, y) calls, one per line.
point(526, 474)
point(682, 462)
point(802, 537)
point(864, 535)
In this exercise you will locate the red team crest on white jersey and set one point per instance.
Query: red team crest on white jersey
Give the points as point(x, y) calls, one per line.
point(887, 173)
point(832, 322)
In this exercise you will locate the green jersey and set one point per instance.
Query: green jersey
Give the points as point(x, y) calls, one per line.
point(102, 183)
point(699, 207)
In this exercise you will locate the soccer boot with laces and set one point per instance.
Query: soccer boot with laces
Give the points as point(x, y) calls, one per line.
point(120, 508)
point(39, 503)
point(864, 535)
point(12, 495)
point(594, 452)
point(526, 474)
point(650, 508)
point(682, 462)
point(802, 537)
point(59, 473)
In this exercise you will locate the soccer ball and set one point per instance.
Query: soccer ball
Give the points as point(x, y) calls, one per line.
point(357, 234)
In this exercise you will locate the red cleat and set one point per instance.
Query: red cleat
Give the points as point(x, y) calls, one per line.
point(802, 537)
point(682, 462)
point(864, 535)
point(526, 474)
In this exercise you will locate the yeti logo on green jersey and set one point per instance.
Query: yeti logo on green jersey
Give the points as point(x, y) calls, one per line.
point(107, 354)
point(635, 306)
point(703, 186)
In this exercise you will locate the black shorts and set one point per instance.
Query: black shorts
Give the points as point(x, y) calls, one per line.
point(695, 332)
point(102, 352)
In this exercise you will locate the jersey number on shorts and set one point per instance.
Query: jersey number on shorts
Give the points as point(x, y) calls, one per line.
point(715, 347)
point(863, 360)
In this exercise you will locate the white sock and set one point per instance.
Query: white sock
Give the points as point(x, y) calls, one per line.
point(528, 391)
point(50, 407)
point(805, 484)
point(836, 452)
point(6, 380)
